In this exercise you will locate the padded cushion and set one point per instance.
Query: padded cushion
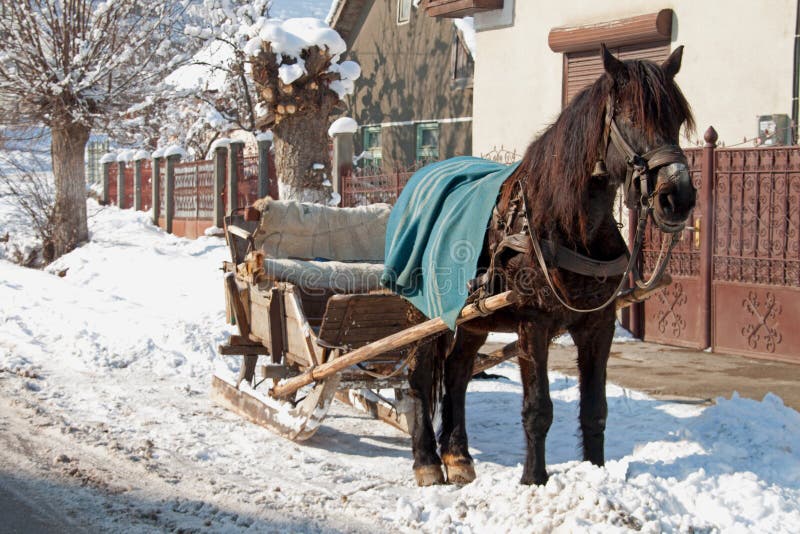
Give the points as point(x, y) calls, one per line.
point(290, 229)
point(326, 275)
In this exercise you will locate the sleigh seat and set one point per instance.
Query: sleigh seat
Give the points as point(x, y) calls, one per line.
point(322, 248)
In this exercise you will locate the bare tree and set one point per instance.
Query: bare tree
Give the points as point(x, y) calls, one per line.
point(70, 65)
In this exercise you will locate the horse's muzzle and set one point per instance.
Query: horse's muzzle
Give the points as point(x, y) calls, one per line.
point(675, 197)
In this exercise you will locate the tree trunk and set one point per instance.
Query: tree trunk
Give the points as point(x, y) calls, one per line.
point(67, 150)
point(301, 142)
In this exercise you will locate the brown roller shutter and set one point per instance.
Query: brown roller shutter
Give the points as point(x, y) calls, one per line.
point(583, 68)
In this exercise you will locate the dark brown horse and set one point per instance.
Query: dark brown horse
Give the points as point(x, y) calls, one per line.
point(621, 131)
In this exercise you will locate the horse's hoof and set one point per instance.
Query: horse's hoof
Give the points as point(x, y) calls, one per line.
point(429, 475)
point(460, 474)
point(459, 470)
point(539, 480)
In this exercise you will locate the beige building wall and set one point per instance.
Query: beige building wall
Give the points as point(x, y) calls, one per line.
point(737, 64)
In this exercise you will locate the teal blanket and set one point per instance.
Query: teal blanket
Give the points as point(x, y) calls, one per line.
point(436, 231)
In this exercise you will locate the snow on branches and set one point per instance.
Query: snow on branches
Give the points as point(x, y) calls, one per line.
point(296, 68)
point(79, 61)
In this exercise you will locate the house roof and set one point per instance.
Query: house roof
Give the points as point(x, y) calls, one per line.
point(347, 16)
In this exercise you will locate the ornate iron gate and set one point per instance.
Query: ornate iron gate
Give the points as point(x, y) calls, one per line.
point(675, 315)
point(736, 277)
point(756, 258)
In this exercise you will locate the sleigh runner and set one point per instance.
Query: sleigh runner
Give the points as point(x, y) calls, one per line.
point(313, 331)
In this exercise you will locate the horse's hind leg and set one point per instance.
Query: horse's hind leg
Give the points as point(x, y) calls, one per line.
point(421, 379)
point(537, 408)
point(593, 337)
point(457, 374)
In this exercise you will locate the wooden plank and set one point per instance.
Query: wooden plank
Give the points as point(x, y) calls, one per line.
point(242, 350)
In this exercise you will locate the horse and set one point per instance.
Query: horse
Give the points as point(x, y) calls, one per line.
point(622, 131)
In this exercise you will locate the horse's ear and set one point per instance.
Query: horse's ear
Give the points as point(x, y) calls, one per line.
point(612, 65)
point(672, 64)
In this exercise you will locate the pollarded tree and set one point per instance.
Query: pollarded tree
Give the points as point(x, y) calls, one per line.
point(70, 64)
point(299, 81)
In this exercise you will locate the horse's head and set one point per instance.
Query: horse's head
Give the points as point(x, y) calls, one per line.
point(644, 113)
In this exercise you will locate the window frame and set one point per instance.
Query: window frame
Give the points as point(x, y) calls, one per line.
point(400, 5)
point(377, 150)
point(423, 152)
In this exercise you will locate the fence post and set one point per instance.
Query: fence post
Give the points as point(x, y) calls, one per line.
point(169, 192)
point(137, 184)
point(106, 174)
point(156, 189)
point(705, 226)
point(264, 146)
point(343, 152)
point(235, 149)
point(121, 184)
point(220, 159)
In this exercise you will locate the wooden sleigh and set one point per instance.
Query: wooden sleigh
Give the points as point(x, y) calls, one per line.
point(305, 342)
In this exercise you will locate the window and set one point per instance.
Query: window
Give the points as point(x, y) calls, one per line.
point(403, 11)
point(428, 141)
point(372, 146)
point(463, 65)
point(581, 69)
point(640, 37)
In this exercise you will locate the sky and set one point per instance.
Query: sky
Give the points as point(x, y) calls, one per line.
point(285, 9)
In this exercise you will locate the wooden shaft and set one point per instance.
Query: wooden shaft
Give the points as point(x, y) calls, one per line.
point(430, 327)
point(625, 299)
point(395, 341)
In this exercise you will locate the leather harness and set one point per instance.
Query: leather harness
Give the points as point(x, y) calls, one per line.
point(520, 238)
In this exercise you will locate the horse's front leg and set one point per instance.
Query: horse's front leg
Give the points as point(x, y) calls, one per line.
point(457, 374)
point(593, 337)
point(421, 377)
point(537, 408)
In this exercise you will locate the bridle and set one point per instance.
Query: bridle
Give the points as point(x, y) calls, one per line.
point(640, 168)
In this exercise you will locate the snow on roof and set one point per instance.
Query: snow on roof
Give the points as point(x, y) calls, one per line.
point(467, 28)
point(343, 125)
point(174, 150)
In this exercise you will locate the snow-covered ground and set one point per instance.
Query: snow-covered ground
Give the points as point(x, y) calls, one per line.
point(105, 413)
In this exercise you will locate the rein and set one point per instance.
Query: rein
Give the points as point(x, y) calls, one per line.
point(639, 168)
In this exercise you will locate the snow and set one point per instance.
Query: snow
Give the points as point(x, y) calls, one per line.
point(343, 125)
point(207, 70)
point(158, 153)
point(222, 142)
point(264, 136)
point(174, 150)
point(109, 157)
point(291, 73)
point(291, 36)
point(141, 154)
point(115, 360)
point(126, 156)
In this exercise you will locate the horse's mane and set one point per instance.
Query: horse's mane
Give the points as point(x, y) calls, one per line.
point(557, 166)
